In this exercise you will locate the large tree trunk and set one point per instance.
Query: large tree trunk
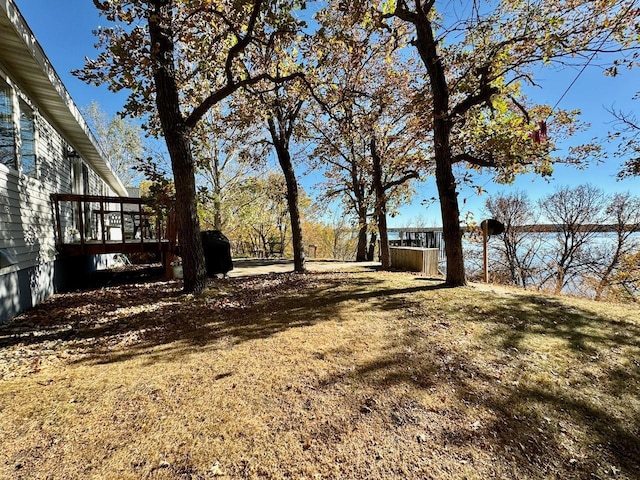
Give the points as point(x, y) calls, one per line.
point(294, 211)
point(284, 158)
point(360, 204)
point(217, 216)
point(381, 207)
point(361, 252)
point(451, 233)
point(371, 253)
point(560, 275)
point(178, 145)
point(445, 179)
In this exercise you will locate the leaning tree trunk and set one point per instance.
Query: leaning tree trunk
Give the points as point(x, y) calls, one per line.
point(284, 158)
point(178, 145)
point(445, 179)
point(381, 207)
point(615, 261)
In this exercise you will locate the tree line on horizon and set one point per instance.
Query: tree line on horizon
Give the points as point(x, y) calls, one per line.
point(577, 255)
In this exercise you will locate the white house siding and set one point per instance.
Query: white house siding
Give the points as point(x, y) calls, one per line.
point(27, 230)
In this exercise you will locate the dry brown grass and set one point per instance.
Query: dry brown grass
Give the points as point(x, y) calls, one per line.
point(356, 375)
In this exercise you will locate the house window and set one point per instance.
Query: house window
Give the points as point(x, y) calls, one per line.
point(27, 140)
point(7, 132)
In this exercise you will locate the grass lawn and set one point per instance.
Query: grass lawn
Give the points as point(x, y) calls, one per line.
point(360, 375)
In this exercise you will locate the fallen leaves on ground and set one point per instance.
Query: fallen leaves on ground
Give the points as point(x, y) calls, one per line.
point(354, 375)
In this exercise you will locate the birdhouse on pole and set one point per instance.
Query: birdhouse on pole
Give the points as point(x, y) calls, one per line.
point(489, 227)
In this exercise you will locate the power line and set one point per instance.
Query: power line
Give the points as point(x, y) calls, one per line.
point(593, 55)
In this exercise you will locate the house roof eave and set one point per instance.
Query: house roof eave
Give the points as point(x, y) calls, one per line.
point(24, 57)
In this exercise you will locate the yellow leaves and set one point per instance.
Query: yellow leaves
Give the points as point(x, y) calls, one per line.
point(388, 7)
point(500, 105)
point(127, 16)
point(555, 22)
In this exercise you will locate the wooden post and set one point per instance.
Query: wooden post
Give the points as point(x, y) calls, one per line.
point(485, 250)
point(81, 222)
point(172, 235)
point(103, 227)
point(123, 237)
point(140, 222)
point(60, 239)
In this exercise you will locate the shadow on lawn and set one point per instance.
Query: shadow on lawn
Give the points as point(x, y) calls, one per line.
point(144, 316)
point(256, 313)
point(530, 424)
point(91, 313)
point(583, 330)
point(542, 430)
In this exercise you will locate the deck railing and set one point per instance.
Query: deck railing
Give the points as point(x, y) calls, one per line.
point(90, 224)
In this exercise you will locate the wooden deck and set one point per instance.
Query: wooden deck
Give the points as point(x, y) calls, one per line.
point(97, 247)
point(93, 225)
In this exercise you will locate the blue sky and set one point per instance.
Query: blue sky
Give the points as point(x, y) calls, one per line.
point(66, 37)
point(65, 34)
